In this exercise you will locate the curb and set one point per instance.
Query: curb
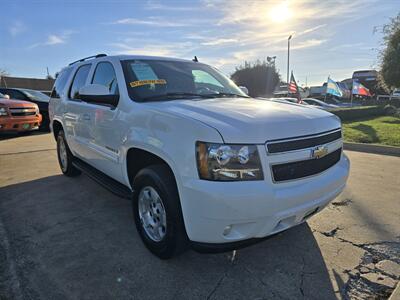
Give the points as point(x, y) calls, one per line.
point(396, 293)
point(373, 148)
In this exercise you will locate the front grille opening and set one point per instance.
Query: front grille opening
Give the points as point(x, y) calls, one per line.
point(22, 114)
point(305, 168)
point(276, 147)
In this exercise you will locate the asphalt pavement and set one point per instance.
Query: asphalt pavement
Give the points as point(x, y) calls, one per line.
point(69, 238)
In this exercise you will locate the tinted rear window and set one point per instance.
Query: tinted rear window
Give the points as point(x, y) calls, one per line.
point(60, 83)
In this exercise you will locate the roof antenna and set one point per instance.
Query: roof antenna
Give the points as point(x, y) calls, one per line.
point(195, 59)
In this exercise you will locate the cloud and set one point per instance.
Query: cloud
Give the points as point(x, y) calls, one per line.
point(152, 48)
point(228, 32)
point(16, 28)
point(310, 30)
point(153, 5)
point(218, 42)
point(254, 13)
point(303, 44)
point(151, 21)
point(54, 39)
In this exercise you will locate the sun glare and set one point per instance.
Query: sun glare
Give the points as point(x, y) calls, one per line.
point(280, 13)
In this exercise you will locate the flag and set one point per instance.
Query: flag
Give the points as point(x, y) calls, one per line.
point(293, 88)
point(333, 89)
point(359, 89)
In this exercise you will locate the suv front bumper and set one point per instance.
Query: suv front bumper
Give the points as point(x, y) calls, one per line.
point(228, 212)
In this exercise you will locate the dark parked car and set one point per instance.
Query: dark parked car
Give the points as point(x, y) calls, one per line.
point(42, 100)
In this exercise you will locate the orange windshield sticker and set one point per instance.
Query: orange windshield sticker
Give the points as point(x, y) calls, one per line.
point(145, 82)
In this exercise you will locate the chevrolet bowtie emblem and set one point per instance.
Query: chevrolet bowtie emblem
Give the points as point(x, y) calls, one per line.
point(319, 152)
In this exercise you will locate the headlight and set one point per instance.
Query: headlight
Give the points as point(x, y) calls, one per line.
point(225, 162)
point(3, 112)
point(37, 111)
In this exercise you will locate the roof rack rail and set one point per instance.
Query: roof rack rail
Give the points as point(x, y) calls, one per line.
point(85, 58)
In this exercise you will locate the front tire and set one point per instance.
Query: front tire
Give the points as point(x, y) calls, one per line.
point(65, 156)
point(157, 212)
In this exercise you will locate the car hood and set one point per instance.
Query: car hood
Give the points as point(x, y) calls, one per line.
point(242, 120)
point(16, 103)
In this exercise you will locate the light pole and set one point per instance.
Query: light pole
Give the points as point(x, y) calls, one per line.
point(288, 56)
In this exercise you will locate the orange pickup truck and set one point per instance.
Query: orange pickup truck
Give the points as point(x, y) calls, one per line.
point(18, 116)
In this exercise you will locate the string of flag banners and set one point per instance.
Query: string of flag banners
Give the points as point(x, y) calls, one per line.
point(332, 88)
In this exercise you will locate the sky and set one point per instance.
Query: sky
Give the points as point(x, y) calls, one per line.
point(329, 37)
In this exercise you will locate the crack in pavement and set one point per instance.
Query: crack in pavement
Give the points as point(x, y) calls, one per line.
point(263, 283)
point(25, 152)
point(302, 276)
point(358, 287)
point(331, 233)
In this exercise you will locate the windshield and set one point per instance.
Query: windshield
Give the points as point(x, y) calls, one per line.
point(36, 95)
point(155, 80)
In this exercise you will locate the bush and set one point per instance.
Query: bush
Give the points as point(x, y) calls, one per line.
point(260, 77)
point(390, 110)
point(385, 101)
point(349, 114)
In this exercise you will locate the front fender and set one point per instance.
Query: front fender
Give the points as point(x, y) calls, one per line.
point(170, 137)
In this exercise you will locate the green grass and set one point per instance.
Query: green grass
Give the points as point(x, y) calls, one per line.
point(375, 130)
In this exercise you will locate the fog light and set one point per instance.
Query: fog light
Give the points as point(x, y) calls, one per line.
point(227, 230)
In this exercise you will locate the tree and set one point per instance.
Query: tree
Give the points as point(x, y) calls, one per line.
point(390, 55)
point(3, 72)
point(260, 77)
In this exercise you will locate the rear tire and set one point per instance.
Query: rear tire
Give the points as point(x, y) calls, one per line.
point(157, 212)
point(65, 156)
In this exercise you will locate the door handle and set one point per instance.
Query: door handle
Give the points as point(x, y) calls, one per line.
point(86, 117)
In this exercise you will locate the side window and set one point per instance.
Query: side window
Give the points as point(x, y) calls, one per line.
point(205, 78)
point(105, 75)
point(14, 94)
point(60, 83)
point(79, 81)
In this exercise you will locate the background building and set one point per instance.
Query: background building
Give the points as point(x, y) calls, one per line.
point(43, 85)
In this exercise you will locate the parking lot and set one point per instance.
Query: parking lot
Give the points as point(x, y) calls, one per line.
point(68, 238)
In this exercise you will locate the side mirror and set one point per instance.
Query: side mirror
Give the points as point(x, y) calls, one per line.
point(244, 89)
point(98, 94)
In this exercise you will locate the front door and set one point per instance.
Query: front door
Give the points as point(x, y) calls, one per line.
point(105, 132)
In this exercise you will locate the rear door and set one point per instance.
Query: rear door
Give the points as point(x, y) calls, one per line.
point(77, 115)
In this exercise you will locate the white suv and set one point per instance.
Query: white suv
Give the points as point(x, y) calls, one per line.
point(204, 164)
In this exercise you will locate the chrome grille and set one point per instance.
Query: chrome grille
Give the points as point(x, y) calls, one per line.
point(21, 112)
point(298, 143)
point(304, 156)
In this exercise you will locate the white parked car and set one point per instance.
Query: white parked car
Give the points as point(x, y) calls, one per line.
point(319, 104)
point(204, 164)
point(396, 93)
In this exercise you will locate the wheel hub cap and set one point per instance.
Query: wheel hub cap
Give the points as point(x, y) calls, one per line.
point(63, 154)
point(152, 214)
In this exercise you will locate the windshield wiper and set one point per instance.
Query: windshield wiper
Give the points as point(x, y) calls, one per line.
point(216, 95)
point(171, 96)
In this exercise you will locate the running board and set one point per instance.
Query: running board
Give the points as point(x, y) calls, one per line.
point(106, 181)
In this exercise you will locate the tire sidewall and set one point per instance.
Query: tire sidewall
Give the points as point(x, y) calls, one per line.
point(70, 169)
point(166, 246)
point(60, 137)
